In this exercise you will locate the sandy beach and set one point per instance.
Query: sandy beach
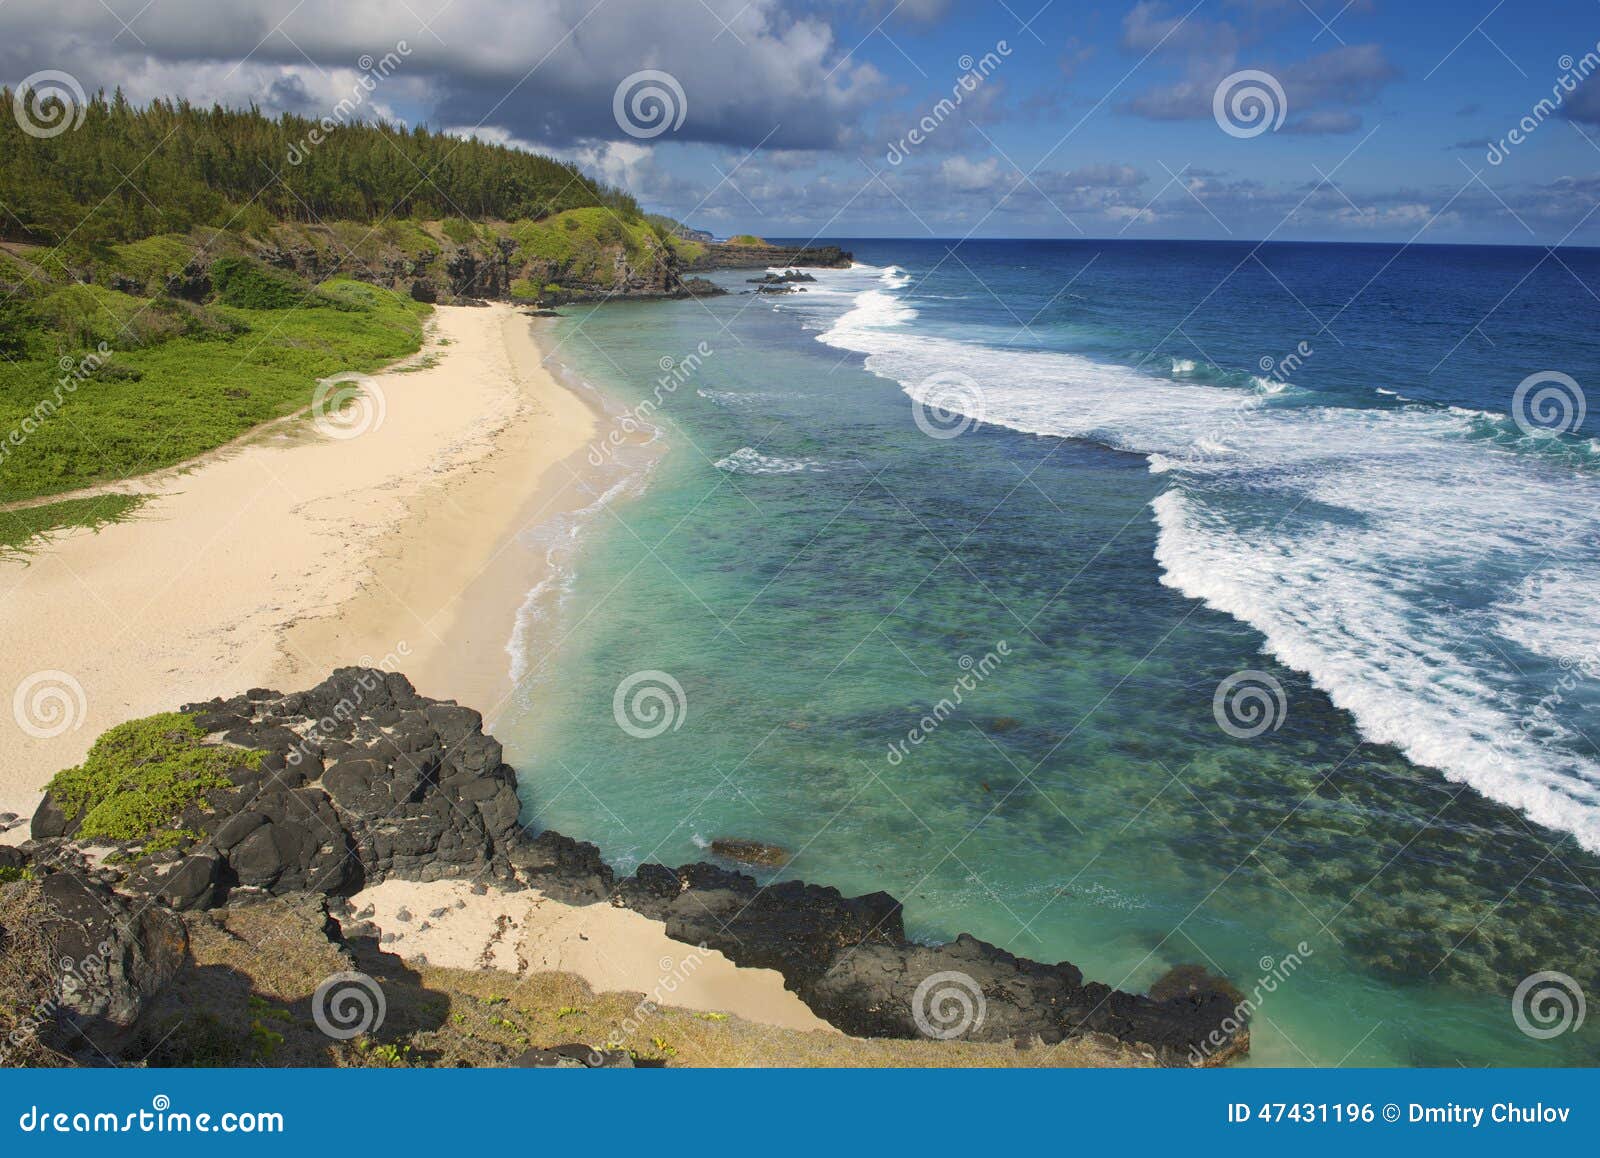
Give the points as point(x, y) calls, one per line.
point(445, 923)
point(291, 552)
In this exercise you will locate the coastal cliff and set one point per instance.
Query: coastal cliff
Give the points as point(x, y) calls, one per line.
point(321, 794)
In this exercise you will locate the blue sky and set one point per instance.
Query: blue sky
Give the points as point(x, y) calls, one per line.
point(794, 117)
point(1105, 110)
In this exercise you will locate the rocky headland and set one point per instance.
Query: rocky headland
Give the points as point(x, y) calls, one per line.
point(542, 265)
point(311, 797)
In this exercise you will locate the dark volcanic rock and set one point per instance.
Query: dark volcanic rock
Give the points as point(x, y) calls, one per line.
point(750, 852)
point(112, 956)
point(726, 255)
point(50, 822)
point(795, 928)
point(575, 1056)
point(973, 990)
point(563, 868)
point(364, 779)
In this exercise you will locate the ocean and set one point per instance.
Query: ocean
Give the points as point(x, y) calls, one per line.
point(1137, 604)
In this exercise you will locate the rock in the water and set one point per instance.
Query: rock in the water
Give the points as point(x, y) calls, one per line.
point(751, 852)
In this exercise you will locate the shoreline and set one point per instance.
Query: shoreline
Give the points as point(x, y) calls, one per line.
point(288, 553)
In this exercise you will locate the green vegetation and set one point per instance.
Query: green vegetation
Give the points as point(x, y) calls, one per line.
point(176, 379)
point(251, 286)
point(580, 245)
point(160, 296)
point(241, 170)
point(23, 527)
point(140, 777)
point(748, 239)
point(459, 230)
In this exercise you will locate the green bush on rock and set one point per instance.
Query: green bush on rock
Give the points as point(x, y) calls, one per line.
point(140, 777)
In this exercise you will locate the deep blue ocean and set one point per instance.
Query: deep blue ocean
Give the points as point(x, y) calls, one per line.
point(1138, 604)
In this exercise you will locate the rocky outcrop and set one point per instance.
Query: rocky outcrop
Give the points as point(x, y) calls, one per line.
point(727, 255)
point(365, 779)
point(483, 270)
point(111, 956)
point(362, 779)
point(749, 852)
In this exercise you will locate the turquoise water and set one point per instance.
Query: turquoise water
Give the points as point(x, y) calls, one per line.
point(1139, 517)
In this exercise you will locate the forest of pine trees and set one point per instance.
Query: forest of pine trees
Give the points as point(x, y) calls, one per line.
point(129, 172)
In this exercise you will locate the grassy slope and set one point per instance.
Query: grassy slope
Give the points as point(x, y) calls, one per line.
point(131, 379)
point(178, 379)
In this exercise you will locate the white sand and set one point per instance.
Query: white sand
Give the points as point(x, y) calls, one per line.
point(613, 949)
point(290, 553)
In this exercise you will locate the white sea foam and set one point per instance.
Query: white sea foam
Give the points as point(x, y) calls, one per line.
point(748, 460)
point(1382, 552)
point(559, 537)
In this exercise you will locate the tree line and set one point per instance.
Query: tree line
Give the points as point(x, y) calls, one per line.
point(122, 172)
